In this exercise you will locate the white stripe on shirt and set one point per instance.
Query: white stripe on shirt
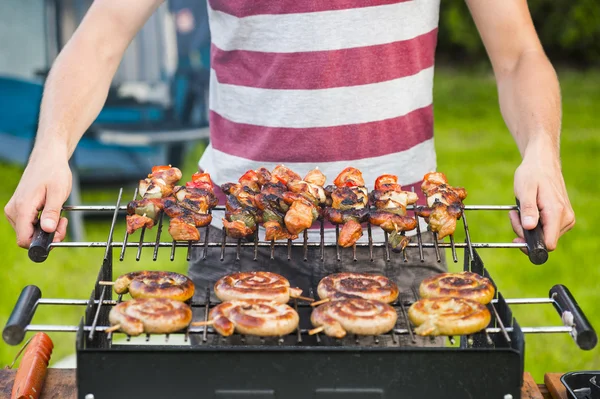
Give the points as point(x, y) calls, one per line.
point(322, 107)
point(324, 30)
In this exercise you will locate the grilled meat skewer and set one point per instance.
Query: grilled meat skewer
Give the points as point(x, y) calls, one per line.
point(444, 202)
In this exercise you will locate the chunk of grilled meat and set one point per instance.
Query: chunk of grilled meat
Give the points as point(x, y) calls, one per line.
point(284, 175)
point(394, 224)
point(183, 228)
point(175, 209)
point(338, 216)
point(241, 221)
point(272, 209)
point(135, 222)
point(150, 207)
point(315, 176)
point(349, 199)
point(160, 182)
point(350, 233)
point(391, 202)
point(275, 231)
point(237, 228)
point(143, 213)
point(349, 177)
point(301, 215)
point(444, 202)
point(441, 218)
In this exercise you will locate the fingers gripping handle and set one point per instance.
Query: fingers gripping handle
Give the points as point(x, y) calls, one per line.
point(40, 244)
point(572, 316)
point(536, 248)
point(21, 316)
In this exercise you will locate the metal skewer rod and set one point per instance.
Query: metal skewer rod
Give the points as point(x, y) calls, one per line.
point(111, 208)
point(103, 244)
point(199, 330)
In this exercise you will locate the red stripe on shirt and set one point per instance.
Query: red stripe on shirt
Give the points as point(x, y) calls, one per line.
point(322, 144)
point(245, 8)
point(325, 69)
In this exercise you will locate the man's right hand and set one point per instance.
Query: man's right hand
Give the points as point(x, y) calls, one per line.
point(44, 186)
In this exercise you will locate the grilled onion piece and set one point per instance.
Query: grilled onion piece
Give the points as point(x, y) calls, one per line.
point(448, 316)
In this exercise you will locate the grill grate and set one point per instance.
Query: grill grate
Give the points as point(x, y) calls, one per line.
point(39, 250)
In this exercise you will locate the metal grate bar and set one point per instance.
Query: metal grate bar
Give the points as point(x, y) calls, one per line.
point(157, 242)
point(337, 245)
point(305, 248)
point(256, 246)
point(189, 251)
point(386, 245)
point(111, 208)
point(398, 331)
point(206, 313)
point(112, 225)
point(468, 236)
point(322, 239)
point(205, 251)
point(126, 232)
point(97, 315)
point(419, 240)
point(499, 320)
point(103, 244)
point(272, 249)
point(454, 257)
point(404, 256)
point(370, 233)
point(238, 248)
point(437, 247)
point(289, 249)
point(141, 243)
point(224, 239)
point(173, 250)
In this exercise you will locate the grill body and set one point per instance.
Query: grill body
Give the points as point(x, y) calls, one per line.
point(299, 365)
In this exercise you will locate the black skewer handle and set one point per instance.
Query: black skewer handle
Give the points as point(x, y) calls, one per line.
point(40, 244)
point(21, 316)
point(536, 248)
point(572, 316)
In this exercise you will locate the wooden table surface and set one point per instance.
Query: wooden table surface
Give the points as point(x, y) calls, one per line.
point(60, 384)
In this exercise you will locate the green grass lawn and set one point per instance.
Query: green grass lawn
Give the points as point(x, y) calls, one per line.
point(474, 150)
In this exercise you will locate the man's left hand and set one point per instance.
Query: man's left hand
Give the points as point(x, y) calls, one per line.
point(540, 188)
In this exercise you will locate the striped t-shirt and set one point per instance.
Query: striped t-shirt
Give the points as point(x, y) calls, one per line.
point(322, 83)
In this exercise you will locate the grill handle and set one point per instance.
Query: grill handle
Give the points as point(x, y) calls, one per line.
point(21, 316)
point(572, 316)
point(40, 244)
point(536, 248)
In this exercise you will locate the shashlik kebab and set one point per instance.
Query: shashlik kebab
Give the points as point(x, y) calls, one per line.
point(189, 208)
point(280, 200)
point(349, 200)
point(158, 185)
point(390, 202)
point(444, 204)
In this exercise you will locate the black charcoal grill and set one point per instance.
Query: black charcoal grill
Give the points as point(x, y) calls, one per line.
point(488, 364)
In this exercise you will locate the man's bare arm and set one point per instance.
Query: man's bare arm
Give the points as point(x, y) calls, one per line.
point(74, 94)
point(78, 83)
point(530, 103)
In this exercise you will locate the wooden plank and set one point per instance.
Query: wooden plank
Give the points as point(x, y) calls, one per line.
point(530, 389)
point(555, 387)
point(59, 384)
